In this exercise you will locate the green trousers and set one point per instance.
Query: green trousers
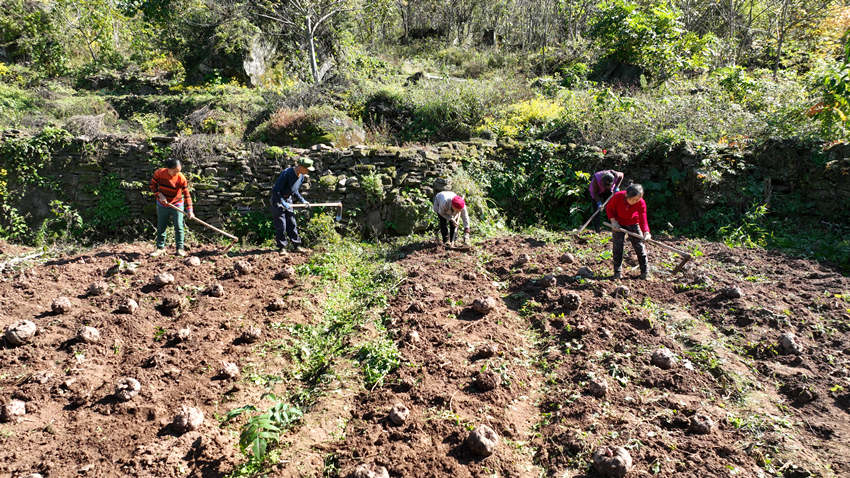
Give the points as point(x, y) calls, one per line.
point(165, 217)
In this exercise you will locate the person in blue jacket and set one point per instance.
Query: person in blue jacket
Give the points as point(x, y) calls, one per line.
point(285, 188)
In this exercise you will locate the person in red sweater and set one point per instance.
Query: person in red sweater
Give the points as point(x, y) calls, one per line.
point(627, 210)
point(170, 187)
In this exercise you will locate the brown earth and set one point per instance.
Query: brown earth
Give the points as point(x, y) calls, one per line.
point(774, 414)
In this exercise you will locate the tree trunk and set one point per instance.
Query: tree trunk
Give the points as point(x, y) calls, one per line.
point(782, 27)
point(312, 49)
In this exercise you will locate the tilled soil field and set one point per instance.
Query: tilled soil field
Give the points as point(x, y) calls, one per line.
point(520, 357)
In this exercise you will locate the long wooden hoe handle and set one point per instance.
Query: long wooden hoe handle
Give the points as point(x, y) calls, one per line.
point(651, 241)
point(226, 234)
point(595, 213)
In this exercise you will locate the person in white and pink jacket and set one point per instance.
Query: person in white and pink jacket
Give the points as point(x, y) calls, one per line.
point(449, 208)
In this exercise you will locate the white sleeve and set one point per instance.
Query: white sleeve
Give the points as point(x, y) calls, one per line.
point(465, 215)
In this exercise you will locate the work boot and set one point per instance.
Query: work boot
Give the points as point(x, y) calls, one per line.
point(181, 252)
point(158, 252)
point(645, 275)
point(616, 275)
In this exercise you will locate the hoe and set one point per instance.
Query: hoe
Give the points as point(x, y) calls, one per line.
point(233, 238)
point(685, 256)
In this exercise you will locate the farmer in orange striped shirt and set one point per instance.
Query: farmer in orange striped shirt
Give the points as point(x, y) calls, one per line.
point(170, 187)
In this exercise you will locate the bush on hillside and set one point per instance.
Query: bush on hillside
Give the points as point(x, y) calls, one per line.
point(524, 119)
point(306, 127)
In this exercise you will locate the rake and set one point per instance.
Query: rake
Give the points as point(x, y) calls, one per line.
point(685, 255)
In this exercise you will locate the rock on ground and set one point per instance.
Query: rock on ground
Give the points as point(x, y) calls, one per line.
point(612, 462)
point(370, 471)
point(61, 305)
point(288, 272)
point(187, 419)
point(523, 259)
point(732, 293)
point(89, 335)
point(469, 276)
point(128, 306)
point(399, 414)
point(229, 370)
point(701, 424)
point(621, 292)
point(567, 258)
point(182, 335)
point(127, 388)
point(486, 381)
point(549, 280)
point(164, 278)
point(484, 305)
point(173, 304)
point(20, 332)
point(193, 261)
point(12, 410)
point(585, 272)
point(598, 387)
point(215, 290)
point(482, 441)
point(251, 334)
point(664, 358)
point(98, 288)
point(788, 344)
point(277, 305)
point(571, 301)
point(486, 351)
point(243, 267)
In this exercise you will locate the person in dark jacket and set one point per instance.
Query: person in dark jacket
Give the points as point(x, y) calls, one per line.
point(602, 185)
point(285, 188)
point(627, 210)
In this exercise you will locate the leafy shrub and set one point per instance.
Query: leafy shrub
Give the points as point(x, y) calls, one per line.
point(256, 227)
point(649, 36)
point(320, 230)
point(574, 75)
point(306, 127)
point(373, 186)
point(276, 152)
point(14, 102)
point(378, 358)
point(524, 119)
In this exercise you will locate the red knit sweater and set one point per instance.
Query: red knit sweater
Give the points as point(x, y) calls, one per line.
point(175, 188)
point(625, 214)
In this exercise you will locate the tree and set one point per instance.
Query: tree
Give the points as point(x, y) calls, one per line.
point(795, 14)
point(306, 17)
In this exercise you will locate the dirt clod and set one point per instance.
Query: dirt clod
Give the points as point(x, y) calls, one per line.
point(482, 441)
point(484, 305)
point(486, 351)
point(664, 358)
point(182, 335)
point(370, 471)
point(216, 290)
point(243, 267)
point(163, 279)
point(469, 276)
point(523, 259)
point(413, 336)
point(187, 419)
point(172, 305)
point(598, 387)
point(486, 381)
point(567, 258)
point(229, 370)
point(549, 280)
point(193, 261)
point(571, 301)
point(20, 332)
point(128, 306)
point(89, 335)
point(621, 292)
point(12, 410)
point(612, 462)
point(127, 388)
point(61, 305)
point(399, 413)
point(731, 293)
point(288, 272)
point(277, 305)
point(701, 424)
point(98, 288)
point(251, 334)
point(585, 272)
point(788, 344)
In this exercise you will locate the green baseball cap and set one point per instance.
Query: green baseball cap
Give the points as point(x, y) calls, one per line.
point(306, 163)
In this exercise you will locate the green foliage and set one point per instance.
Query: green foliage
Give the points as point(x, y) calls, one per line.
point(112, 211)
point(833, 109)
point(378, 358)
point(523, 120)
point(320, 230)
point(276, 152)
point(261, 432)
point(255, 227)
point(751, 231)
point(64, 224)
point(649, 35)
point(535, 184)
point(373, 186)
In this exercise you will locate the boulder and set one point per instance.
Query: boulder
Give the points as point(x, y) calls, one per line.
point(61, 305)
point(89, 335)
point(20, 332)
point(482, 441)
